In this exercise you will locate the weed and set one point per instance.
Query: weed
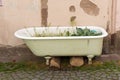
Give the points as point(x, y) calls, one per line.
point(112, 66)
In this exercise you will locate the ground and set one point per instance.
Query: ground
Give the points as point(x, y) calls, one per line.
point(99, 70)
point(103, 74)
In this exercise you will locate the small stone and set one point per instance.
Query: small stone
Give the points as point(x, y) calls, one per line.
point(55, 62)
point(76, 61)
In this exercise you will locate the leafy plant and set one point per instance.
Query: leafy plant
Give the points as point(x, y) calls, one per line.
point(11, 66)
point(75, 32)
point(86, 32)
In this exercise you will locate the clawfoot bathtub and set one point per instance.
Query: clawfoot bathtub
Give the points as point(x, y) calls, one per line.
point(48, 47)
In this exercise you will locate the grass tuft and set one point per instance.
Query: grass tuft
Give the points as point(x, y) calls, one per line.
point(112, 66)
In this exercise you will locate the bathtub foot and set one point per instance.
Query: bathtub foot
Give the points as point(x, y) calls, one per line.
point(48, 60)
point(90, 59)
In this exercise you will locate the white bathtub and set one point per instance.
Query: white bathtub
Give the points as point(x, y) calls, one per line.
point(47, 47)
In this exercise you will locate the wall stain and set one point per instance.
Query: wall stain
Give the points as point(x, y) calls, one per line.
point(73, 21)
point(44, 3)
point(44, 15)
point(44, 12)
point(72, 8)
point(89, 7)
point(72, 18)
point(10, 53)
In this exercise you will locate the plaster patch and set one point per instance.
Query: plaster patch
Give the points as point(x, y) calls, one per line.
point(73, 21)
point(89, 7)
point(44, 3)
point(72, 8)
point(72, 18)
point(0, 2)
point(44, 12)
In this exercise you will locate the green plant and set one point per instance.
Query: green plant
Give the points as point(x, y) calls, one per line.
point(74, 32)
point(86, 32)
point(11, 66)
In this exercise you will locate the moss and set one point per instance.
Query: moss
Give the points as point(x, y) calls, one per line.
point(112, 66)
point(22, 66)
point(99, 66)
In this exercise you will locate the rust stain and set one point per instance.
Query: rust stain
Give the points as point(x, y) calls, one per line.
point(72, 8)
point(44, 12)
point(89, 7)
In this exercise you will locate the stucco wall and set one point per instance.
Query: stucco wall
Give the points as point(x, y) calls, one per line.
point(16, 14)
point(87, 12)
point(118, 16)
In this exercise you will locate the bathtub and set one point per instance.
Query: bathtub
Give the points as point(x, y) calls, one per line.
point(48, 47)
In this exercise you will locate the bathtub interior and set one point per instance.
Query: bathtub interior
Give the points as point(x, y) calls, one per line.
point(27, 33)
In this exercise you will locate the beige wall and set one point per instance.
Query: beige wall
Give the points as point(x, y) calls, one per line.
point(2, 27)
point(96, 14)
point(16, 14)
point(118, 15)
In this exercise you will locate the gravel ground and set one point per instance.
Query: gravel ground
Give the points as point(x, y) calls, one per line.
point(102, 74)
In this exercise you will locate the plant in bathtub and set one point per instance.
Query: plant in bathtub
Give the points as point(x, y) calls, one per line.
point(63, 41)
point(86, 32)
point(75, 32)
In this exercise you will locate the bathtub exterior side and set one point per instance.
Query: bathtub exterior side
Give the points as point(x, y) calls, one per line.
point(65, 47)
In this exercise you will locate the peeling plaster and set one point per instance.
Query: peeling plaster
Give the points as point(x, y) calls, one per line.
point(44, 3)
point(89, 7)
point(44, 12)
point(73, 21)
point(44, 15)
point(72, 8)
point(0, 2)
point(72, 18)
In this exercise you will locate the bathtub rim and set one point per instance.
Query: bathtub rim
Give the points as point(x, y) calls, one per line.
point(104, 34)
